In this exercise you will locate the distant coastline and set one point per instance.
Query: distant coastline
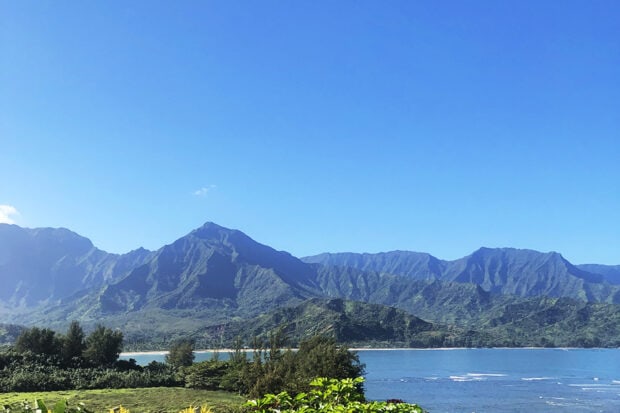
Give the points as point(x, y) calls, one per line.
point(248, 350)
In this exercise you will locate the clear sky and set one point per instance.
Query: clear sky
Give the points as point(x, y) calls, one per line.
point(313, 126)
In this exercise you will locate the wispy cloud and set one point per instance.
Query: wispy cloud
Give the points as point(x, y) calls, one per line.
point(6, 211)
point(202, 192)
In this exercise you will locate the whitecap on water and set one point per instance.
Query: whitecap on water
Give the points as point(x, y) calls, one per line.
point(486, 375)
point(537, 378)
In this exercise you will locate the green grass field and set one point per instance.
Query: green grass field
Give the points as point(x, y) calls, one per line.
point(150, 400)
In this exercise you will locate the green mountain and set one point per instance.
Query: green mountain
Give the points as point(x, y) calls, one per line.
point(209, 276)
point(556, 322)
point(212, 266)
point(217, 282)
point(350, 322)
point(523, 273)
point(539, 321)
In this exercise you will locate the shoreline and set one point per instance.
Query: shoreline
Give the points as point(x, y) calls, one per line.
point(248, 350)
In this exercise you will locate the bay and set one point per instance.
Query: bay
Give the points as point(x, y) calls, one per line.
point(488, 380)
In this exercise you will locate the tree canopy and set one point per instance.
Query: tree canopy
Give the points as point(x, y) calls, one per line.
point(181, 353)
point(103, 346)
point(38, 341)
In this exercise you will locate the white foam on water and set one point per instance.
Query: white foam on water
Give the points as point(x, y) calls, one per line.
point(465, 378)
point(476, 376)
point(553, 403)
point(537, 378)
point(486, 375)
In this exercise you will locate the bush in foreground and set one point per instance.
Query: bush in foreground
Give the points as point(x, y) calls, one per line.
point(327, 396)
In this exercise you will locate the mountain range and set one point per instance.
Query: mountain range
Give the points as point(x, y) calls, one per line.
point(215, 282)
point(511, 271)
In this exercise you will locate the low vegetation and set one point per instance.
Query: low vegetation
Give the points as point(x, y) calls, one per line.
point(44, 360)
point(41, 359)
point(278, 379)
point(324, 395)
point(328, 396)
point(145, 400)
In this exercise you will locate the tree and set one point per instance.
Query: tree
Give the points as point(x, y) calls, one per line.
point(181, 353)
point(73, 344)
point(103, 346)
point(206, 375)
point(321, 356)
point(38, 341)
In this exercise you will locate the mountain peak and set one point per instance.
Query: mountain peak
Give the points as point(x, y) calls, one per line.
point(210, 229)
point(214, 234)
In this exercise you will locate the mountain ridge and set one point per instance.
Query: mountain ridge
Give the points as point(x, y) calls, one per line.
point(521, 272)
point(31, 258)
point(214, 275)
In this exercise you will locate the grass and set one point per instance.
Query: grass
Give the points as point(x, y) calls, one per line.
point(149, 400)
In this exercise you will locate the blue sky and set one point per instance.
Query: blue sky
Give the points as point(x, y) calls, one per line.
point(316, 126)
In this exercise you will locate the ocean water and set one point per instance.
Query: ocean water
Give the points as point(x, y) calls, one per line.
point(490, 380)
point(497, 380)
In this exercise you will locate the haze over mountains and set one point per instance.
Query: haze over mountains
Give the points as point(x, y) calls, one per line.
point(216, 279)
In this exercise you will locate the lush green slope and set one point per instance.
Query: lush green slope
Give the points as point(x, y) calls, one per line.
point(500, 320)
point(539, 322)
point(349, 322)
point(557, 322)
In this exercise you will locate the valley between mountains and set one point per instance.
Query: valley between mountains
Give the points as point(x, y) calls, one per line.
point(216, 284)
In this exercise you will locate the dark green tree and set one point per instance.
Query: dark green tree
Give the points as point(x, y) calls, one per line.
point(103, 346)
point(322, 356)
point(38, 341)
point(181, 353)
point(238, 362)
point(73, 344)
point(206, 375)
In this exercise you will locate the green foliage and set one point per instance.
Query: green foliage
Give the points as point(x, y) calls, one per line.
point(38, 341)
point(29, 373)
point(207, 375)
point(181, 353)
point(143, 400)
point(327, 396)
point(103, 346)
point(73, 345)
point(322, 356)
point(41, 361)
point(274, 369)
point(62, 406)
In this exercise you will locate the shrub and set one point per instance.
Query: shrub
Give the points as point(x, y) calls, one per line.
point(327, 396)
